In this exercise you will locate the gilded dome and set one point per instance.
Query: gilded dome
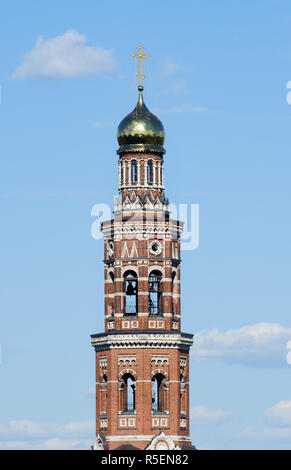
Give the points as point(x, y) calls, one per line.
point(141, 131)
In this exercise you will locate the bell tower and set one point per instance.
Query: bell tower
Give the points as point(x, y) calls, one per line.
point(142, 358)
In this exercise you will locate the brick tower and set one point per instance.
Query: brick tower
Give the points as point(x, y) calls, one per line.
point(142, 358)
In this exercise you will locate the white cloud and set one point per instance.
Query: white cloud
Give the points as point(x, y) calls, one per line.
point(49, 444)
point(278, 419)
point(178, 87)
point(202, 415)
point(65, 56)
point(75, 428)
point(267, 433)
point(169, 67)
point(279, 414)
point(260, 345)
point(22, 429)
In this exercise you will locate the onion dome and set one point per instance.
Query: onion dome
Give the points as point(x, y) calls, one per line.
point(141, 131)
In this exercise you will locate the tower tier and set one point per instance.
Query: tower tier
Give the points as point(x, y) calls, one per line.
point(142, 382)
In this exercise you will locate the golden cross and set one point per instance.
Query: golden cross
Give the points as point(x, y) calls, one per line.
point(140, 56)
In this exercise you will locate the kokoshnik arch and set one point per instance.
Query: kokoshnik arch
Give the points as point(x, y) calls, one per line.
point(142, 358)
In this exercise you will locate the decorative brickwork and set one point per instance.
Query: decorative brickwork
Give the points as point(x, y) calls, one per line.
point(142, 358)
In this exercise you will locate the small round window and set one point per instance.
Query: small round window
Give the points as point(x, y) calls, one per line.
point(156, 248)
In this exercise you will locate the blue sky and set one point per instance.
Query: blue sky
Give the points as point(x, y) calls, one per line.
point(218, 79)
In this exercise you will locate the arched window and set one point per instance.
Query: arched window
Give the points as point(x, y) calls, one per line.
point(122, 174)
point(128, 392)
point(155, 293)
point(103, 394)
point(158, 393)
point(130, 288)
point(174, 301)
point(150, 171)
point(133, 171)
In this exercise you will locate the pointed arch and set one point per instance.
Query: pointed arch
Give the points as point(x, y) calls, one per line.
point(133, 171)
point(158, 392)
point(127, 390)
point(150, 171)
point(155, 293)
point(131, 291)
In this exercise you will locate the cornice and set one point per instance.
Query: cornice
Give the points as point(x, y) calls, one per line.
point(144, 339)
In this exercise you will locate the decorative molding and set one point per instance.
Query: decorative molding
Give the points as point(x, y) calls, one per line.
point(156, 324)
point(106, 341)
point(127, 371)
point(103, 423)
point(162, 359)
point(133, 252)
point(183, 423)
point(183, 362)
point(159, 371)
point(126, 358)
point(161, 442)
point(103, 362)
point(127, 422)
point(100, 442)
point(155, 248)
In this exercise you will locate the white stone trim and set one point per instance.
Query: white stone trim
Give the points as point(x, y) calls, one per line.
point(157, 268)
point(128, 268)
point(147, 341)
point(121, 279)
point(138, 172)
point(119, 174)
point(156, 358)
point(144, 381)
point(145, 164)
point(125, 358)
point(127, 438)
point(129, 173)
point(144, 437)
point(98, 444)
point(159, 370)
point(116, 293)
point(127, 371)
point(161, 438)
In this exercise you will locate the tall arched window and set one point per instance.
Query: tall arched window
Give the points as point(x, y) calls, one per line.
point(150, 171)
point(158, 393)
point(130, 288)
point(133, 171)
point(128, 392)
point(155, 293)
point(122, 174)
point(103, 396)
point(174, 301)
